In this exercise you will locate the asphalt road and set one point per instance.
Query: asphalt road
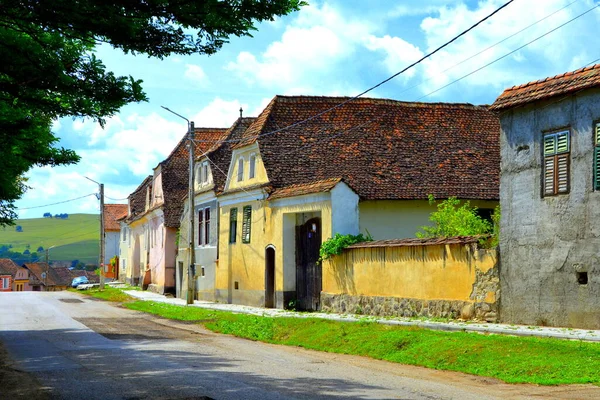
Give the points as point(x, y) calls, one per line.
point(82, 348)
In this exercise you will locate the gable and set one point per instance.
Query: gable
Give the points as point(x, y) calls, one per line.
point(246, 169)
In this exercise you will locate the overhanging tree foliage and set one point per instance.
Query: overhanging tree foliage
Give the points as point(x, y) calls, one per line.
point(49, 69)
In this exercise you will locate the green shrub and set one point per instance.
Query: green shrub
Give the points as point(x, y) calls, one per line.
point(454, 219)
point(337, 244)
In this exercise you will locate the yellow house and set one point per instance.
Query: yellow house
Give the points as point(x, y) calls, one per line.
point(311, 167)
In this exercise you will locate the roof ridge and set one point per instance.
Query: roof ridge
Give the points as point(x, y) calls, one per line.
point(550, 78)
point(314, 98)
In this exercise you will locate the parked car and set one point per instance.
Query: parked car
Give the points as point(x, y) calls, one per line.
point(80, 280)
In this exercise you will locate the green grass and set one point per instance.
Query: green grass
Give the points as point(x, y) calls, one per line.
point(509, 358)
point(74, 238)
point(108, 294)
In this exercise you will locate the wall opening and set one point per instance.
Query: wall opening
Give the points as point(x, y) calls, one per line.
point(582, 278)
point(270, 277)
point(236, 285)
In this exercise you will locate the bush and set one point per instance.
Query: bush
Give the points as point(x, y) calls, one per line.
point(337, 244)
point(454, 219)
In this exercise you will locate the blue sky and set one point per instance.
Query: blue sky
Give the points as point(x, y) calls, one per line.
point(331, 47)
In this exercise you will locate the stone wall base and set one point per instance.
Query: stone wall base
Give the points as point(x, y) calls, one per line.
point(403, 307)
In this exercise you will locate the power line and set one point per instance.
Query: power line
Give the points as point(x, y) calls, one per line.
point(110, 198)
point(53, 204)
point(382, 82)
point(509, 53)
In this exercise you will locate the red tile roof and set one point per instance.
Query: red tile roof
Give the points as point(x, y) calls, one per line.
point(8, 267)
point(112, 213)
point(559, 85)
point(175, 171)
point(59, 276)
point(137, 199)
point(383, 149)
point(309, 188)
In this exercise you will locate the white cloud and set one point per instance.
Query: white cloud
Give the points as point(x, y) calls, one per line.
point(220, 113)
point(309, 52)
point(195, 74)
point(399, 53)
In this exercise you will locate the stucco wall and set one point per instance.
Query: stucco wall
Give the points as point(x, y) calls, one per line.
point(400, 219)
point(111, 245)
point(546, 241)
point(435, 280)
point(260, 174)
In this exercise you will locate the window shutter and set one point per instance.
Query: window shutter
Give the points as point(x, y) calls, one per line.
point(233, 225)
point(597, 168)
point(549, 176)
point(562, 142)
point(597, 136)
point(562, 173)
point(549, 145)
point(246, 220)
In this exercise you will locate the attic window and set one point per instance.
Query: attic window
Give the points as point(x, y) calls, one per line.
point(555, 174)
point(240, 171)
point(205, 172)
point(252, 168)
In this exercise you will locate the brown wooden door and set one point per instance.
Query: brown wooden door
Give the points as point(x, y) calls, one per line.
point(308, 270)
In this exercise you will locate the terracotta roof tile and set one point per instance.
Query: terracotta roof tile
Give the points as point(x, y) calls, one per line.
point(8, 267)
point(112, 213)
point(383, 149)
point(417, 242)
point(308, 188)
point(137, 199)
point(559, 85)
point(54, 276)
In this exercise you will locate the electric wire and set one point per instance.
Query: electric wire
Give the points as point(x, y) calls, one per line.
point(446, 44)
point(53, 204)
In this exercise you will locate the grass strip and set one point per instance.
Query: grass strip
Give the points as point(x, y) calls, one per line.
point(108, 294)
point(512, 359)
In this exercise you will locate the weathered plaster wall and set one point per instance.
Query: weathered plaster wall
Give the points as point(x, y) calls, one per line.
point(435, 281)
point(400, 219)
point(546, 241)
point(111, 245)
point(344, 208)
point(124, 252)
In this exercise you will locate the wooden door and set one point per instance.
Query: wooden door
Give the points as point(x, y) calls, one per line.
point(308, 270)
point(270, 277)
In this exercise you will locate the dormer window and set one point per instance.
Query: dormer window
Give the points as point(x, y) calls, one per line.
point(252, 168)
point(240, 171)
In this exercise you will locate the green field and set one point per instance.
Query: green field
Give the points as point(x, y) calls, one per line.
point(75, 238)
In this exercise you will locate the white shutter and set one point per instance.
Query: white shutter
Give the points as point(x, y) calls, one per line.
point(549, 176)
point(562, 173)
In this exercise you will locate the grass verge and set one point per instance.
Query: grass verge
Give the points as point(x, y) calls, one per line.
point(108, 294)
point(511, 359)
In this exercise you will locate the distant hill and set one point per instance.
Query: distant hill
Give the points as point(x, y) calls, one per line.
point(74, 238)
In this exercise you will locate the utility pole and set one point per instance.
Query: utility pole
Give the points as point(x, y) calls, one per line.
point(101, 198)
point(102, 238)
point(190, 267)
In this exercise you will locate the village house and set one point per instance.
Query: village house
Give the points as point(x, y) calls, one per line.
point(349, 166)
point(153, 227)
point(44, 278)
point(13, 278)
point(210, 175)
point(112, 236)
point(550, 199)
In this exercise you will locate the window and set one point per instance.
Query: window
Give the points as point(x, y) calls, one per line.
point(240, 170)
point(204, 172)
point(252, 166)
point(203, 226)
point(233, 225)
point(597, 157)
point(5, 283)
point(124, 235)
point(246, 221)
point(206, 225)
point(557, 149)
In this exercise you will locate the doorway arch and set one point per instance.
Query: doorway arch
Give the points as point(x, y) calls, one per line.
point(270, 276)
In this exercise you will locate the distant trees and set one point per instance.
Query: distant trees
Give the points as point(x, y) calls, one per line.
point(47, 215)
point(40, 249)
point(19, 228)
point(61, 216)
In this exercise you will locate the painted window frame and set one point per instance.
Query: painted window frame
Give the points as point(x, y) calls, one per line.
point(252, 166)
point(5, 283)
point(240, 169)
point(204, 167)
point(556, 163)
point(233, 225)
point(204, 215)
point(246, 224)
point(596, 153)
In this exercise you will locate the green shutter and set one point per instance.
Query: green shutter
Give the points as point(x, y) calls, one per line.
point(549, 145)
point(246, 222)
point(597, 135)
point(597, 168)
point(562, 142)
point(233, 225)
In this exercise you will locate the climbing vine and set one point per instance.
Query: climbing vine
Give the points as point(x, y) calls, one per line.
point(337, 244)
